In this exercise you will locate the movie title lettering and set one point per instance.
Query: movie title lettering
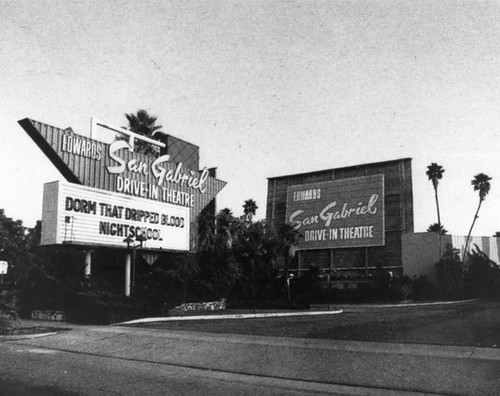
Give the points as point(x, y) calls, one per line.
point(126, 230)
point(80, 205)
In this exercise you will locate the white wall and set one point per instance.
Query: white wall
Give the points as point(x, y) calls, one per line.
point(420, 252)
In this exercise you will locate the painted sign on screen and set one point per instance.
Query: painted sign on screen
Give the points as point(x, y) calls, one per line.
point(75, 214)
point(339, 213)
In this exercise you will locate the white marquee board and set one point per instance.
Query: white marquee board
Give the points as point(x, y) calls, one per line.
point(76, 214)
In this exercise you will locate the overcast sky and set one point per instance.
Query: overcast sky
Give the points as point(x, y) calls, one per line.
point(265, 88)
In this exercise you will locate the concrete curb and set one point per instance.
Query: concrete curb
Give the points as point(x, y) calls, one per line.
point(406, 305)
point(230, 316)
point(26, 336)
point(284, 314)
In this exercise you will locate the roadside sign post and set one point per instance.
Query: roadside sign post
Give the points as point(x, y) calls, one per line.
point(4, 265)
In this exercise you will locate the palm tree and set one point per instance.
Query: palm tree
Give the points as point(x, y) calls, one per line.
point(226, 227)
point(435, 173)
point(249, 209)
point(435, 227)
point(481, 183)
point(144, 124)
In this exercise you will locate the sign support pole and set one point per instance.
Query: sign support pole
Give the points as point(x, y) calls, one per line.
point(88, 263)
point(128, 261)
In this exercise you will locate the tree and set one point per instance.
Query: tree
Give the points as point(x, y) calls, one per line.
point(481, 184)
point(13, 250)
point(12, 239)
point(483, 275)
point(252, 247)
point(435, 227)
point(249, 209)
point(144, 124)
point(219, 270)
point(289, 238)
point(435, 173)
point(448, 273)
point(237, 257)
point(227, 226)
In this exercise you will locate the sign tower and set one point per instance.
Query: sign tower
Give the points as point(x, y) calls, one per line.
point(113, 196)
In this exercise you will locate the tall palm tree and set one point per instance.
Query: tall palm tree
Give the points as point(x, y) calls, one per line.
point(481, 183)
point(144, 124)
point(435, 173)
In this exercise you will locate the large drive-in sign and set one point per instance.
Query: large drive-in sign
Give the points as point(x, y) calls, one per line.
point(134, 181)
point(74, 214)
point(338, 214)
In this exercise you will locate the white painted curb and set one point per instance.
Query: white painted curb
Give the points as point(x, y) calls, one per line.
point(405, 305)
point(232, 316)
point(18, 337)
point(284, 314)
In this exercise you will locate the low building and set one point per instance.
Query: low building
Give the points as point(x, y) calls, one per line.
point(421, 251)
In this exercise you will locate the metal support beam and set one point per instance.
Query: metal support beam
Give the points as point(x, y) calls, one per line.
point(88, 263)
point(128, 261)
point(95, 123)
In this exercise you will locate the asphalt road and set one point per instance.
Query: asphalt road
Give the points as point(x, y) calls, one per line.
point(130, 361)
point(94, 360)
point(34, 371)
point(27, 370)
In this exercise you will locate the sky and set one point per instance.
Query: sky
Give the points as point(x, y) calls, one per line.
point(264, 88)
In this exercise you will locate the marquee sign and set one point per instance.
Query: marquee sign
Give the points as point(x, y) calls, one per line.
point(75, 214)
point(116, 168)
point(338, 214)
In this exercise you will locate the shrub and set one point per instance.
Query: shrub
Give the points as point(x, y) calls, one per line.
point(448, 273)
point(423, 289)
point(483, 276)
point(98, 307)
point(9, 302)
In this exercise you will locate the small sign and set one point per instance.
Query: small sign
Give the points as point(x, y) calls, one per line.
point(3, 267)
